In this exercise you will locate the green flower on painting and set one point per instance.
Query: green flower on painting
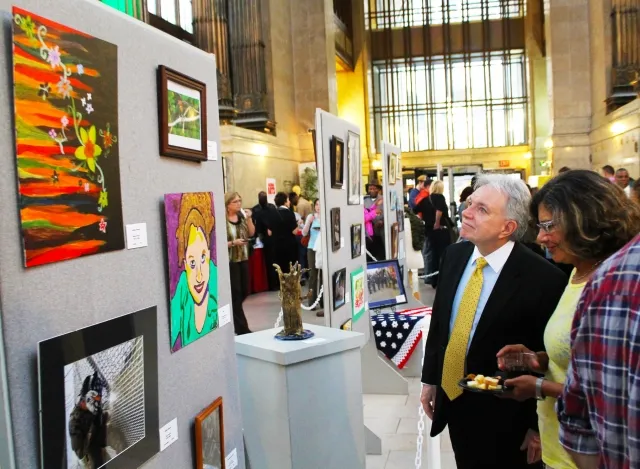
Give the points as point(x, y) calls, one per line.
point(29, 27)
point(103, 200)
point(89, 151)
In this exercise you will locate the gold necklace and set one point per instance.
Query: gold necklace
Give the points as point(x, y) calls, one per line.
point(580, 278)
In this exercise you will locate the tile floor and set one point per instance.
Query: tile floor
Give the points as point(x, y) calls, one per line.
point(393, 418)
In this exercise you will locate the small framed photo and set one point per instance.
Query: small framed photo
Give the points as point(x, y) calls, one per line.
point(400, 219)
point(182, 104)
point(355, 169)
point(209, 429)
point(339, 288)
point(356, 240)
point(399, 168)
point(393, 168)
point(394, 240)
point(337, 162)
point(335, 229)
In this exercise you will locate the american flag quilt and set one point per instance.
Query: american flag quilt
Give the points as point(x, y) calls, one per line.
point(398, 334)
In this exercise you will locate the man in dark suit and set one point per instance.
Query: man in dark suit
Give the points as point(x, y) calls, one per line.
point(281, 224)
point(493, 292)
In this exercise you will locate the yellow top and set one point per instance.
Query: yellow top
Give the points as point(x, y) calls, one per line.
point(556, 341)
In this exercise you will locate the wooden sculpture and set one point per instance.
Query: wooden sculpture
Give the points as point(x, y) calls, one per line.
point(291, 297)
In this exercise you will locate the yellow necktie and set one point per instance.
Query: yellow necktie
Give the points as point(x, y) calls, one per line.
point(456, 353)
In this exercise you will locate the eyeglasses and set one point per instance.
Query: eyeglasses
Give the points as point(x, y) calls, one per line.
point(547, 226)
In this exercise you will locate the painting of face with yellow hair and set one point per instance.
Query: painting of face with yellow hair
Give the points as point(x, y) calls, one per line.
point(193, 270)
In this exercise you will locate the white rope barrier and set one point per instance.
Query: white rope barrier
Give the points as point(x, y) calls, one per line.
point(307, 308)
point(420, 440)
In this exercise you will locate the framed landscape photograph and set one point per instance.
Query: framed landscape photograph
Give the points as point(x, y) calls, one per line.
point(339, 288)
point(337, 162)
point(99, 394)
point(335, 229)
point(393, 168)
point(209, 430)
point(355, 169)
point(182, 104)
point(356, 240)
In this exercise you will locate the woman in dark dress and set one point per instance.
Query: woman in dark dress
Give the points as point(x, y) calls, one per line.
point(437, 226)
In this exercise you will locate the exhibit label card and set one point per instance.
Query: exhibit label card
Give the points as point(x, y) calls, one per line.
point(224, 315)
point(212, 150)
point(231, 461)
point(137, 235)
point(168, 434)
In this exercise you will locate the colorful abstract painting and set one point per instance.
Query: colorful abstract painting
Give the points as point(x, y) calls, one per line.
point(193, 266)
point(357, 292)
point(66, 116)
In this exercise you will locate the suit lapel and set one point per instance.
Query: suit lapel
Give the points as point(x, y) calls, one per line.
point(507, 285)
point(450, 289)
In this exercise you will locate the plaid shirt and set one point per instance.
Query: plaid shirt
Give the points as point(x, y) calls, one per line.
point(599, 410)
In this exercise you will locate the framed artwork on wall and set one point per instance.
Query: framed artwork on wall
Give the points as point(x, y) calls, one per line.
point(357, 293)
point(68, 157)
point(347, 325)
point(400, 219)
point(337, 162)
point(393, 168)
point(335, 229)
point(193, 266)
point(182, 104)
point(209, 433)
point(339, 288)
point(356, 240)
point(355, 169)
point(99, 394)
point(398, 168)
point(394, 240)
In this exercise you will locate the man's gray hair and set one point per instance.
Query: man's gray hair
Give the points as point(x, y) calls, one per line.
point(518, 199)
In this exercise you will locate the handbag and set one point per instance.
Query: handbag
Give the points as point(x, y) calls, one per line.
point(305, 240)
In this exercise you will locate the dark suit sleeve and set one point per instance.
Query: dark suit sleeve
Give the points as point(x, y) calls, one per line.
point(430, 364)
point(553, 289)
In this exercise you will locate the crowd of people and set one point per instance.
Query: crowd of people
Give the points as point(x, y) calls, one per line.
point(575, 401)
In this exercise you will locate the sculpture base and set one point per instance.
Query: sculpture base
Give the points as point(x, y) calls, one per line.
point(306, 334)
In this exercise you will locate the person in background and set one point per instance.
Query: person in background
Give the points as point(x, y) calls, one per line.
point(312, 229)
point(374, 220)
point(239, 229)
point(493, 291)
point(260, 215)
point(635, 193)
point(413, 193)
point(281, 230)
point(622, 180)
point(302, 250)
point(609, 173)
point(424, 191)
point(466, 192)
point(437, 225)
point(599, 408)
point(303, 206)
point(583, 219)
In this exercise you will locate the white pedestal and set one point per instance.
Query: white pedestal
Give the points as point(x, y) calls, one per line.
point(302, 400)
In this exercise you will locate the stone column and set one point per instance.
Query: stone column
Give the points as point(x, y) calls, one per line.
point(314, 64)
point(211, 21)
point(248, 64)
point(569, 81)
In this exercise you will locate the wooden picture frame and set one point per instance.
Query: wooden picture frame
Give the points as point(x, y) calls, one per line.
point(354, 161)
point(335, 229)
point(337, 162)
point(392, 168)
point(356, 240)
point(205, 426)
point(395, 236)
point(182, 115)
point(339, 287)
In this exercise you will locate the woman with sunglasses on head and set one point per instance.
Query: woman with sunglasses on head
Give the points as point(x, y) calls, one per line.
point(582, 220)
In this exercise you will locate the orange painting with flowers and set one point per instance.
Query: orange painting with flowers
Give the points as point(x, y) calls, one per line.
point(66, 115)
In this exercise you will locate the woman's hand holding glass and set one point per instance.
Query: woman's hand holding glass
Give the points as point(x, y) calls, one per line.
point(520, 358)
